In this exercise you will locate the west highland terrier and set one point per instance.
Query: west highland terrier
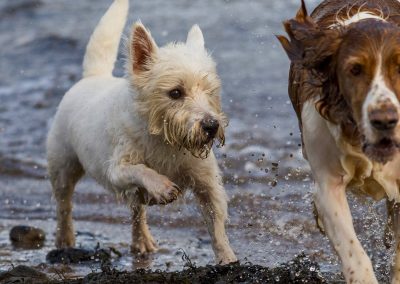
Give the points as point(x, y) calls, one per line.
point(143, 137)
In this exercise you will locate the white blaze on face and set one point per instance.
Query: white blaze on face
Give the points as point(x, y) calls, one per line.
point(379, 92)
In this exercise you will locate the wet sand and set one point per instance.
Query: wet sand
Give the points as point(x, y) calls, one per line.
point(268, 225)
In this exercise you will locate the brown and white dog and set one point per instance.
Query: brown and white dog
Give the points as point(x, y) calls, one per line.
point(345, 88)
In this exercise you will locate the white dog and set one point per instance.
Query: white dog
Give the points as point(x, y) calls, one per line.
point(143, 137)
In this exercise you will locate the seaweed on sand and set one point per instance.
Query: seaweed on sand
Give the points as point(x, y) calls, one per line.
point(300, 270)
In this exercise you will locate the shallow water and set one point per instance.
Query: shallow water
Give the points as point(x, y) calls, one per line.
point(42, 44)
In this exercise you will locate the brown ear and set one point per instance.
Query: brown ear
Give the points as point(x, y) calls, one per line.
point(308, 44)
point(143, 49)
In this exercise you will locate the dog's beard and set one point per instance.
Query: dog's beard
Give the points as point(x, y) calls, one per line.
point(193, 139)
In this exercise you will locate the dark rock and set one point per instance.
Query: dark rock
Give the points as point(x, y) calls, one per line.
point(27, 237)
point(23, 274)
point(77, 255)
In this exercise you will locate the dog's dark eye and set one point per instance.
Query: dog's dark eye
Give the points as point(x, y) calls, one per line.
point(175, 94)
point(356, 70)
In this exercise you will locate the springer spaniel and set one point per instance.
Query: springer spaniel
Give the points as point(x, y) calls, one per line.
point(344, 84)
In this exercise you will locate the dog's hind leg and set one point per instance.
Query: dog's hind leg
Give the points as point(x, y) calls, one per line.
point(212, 200)
point(142, 240)
point(64, 174)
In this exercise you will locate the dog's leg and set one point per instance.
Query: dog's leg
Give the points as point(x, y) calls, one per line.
point(213, 204)
point(64, 177)
point(333, 209)
point(153, 187)
point(330, 195)
point(142, 240)
point(212, 200)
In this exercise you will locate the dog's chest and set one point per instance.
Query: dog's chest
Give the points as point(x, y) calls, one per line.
point(166, 160)
point(155, 153)
point(374, 179)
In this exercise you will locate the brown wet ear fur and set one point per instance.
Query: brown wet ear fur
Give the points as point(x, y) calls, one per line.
point(143, 49)
point(308, 44)
point(314, 48)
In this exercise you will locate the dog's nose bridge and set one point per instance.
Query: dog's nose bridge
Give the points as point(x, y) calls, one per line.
point(201, 102)
point(383, 101)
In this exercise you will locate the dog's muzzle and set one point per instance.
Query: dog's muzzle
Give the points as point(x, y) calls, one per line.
point(383, 120)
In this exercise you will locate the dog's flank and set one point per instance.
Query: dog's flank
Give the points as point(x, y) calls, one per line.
point(345, 87)
point(140, 136)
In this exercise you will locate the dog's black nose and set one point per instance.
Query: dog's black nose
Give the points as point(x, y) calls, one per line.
point(384, 120)
point(210, 126)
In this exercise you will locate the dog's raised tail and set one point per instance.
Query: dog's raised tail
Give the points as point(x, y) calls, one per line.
point(102, 49)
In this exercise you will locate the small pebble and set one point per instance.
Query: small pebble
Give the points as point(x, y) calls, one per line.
point(23, 274)
point(77, 255)
point(27, 237)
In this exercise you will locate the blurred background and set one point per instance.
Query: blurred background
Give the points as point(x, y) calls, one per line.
point(269, 184)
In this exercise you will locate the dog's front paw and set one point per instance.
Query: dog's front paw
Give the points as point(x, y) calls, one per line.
point(226, 257)
point(143, 244)
point(160, 190)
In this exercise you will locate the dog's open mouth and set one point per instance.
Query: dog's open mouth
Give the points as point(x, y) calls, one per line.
point(383, 151)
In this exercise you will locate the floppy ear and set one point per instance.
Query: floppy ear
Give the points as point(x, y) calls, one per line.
point(143, 49)
point(308, 44)
point(195, 37)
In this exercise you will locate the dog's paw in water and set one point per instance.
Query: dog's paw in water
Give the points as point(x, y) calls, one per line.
point(143, 243)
